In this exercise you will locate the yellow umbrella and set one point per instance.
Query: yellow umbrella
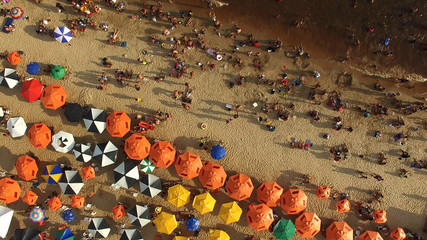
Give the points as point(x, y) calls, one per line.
point(204, 203)
point(230, 212)
point(178, 195)
point(180, 238)
point(165, 223)
point(215, 234)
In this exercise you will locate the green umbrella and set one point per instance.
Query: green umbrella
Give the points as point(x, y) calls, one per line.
point(58, 72)
point(284, 229)
point(146, 165)
point(64, 234)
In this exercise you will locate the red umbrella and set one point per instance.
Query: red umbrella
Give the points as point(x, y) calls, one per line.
point(32, 90)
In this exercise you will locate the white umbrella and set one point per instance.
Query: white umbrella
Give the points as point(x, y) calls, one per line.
point(105, 153)
point(95, 120)
point(139, 216)
point(70, 182)
point(82, 152)
point(126, 174)
point(99, 228)
point(9, 78)
point(63, 34)
point(5, 219)
point(63, 142)
point(16, 127)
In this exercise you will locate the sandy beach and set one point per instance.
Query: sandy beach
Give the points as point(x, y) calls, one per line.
point(251, 148)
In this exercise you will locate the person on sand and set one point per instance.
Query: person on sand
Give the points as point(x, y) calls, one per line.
point(114, 37)
point(377, 177)
point(382, 160)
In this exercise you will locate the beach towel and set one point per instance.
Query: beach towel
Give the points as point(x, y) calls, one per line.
point(9, 21)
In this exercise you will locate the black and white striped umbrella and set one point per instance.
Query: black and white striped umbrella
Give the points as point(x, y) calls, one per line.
point(139, 216)
point(150, 185)
point(82, 152)
point(131, 234)
point(126, 174)
point(99, 228)
point(105, 153)
point(70, 182)
point(9, 78)
point(95, 120)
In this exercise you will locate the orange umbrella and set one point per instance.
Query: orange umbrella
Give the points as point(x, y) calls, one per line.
point(88, 172)
point(39, 135)
point(323, 192)
point(188, 165)
point(118, 124)
point(53, 96)
point(380, 216)
point(137, 147)
point(118, 211)
point(370, 235)
point(307, 225)
point(339, 231)
point(343, 206)
point(26, 167)
point(30, 198)
point(293, 201)
point(398, 234)
point(54, 203)
point(77, 201)
point(212, 176)
point(239, 187)
point(259, 217)
point(9, 190)
point(14, 58)
point(162, 154)
point(269, 193)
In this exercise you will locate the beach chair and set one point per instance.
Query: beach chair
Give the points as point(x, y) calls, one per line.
point(9, 21)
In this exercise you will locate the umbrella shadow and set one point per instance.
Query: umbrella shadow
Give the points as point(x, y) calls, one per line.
point(101, 196)
point(7, 154)
point(31, 30)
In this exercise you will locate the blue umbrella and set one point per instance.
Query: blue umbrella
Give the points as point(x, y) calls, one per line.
point(192, 224)
point(63, 34)
point(68, 215)
point(37, 214)
point(33, 68)
point(64, 234)
point(218, 152)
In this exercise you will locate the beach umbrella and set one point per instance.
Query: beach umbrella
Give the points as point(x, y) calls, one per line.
point(162, 154)
point(146, 165)
point(230, 212)
point(95, 120)
point(82, 152)
point(30, 198)
point(54, 203)
point(105, 153)
point(239, 187)
point(9, 78)
point(57, 72)
point(323, 192)
point(137, 147)
point(16, 12)
point(26, 167)
point(165, 223)
point(39, 135)
point(339, 231)
point(33, 68)
point(14, 58)
point(77, 201)
point(131, 234)
point(139, 216)
point(99, 228)
point(259, 217)
point(68, 215)
point(215, 234)
point(212, 176)
point(118, 124)
point(53, 96)
point(70, 182)
point(118, 211)
point(180, 238)
point(188, 165)
point(150, 185)
point(5, 219)
point(88, 172)
point(293, 201)
point(63, 141)
point(74, 112)
point(126, 174)
point(63, 34)
point(9, 190)
point(32, 90)
point(192, 224)
point(64, 233)
point(269, 193)
point(284, 229)
point(370, 235)
point(52, 174)
point(218, 152)
point(307, 225)
point(27, 234)
point(380, 216)
point(204, 203)
point(398, 234)
point(16, 127)
point(37, 214)
point(343, 206)
point(178, 195)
